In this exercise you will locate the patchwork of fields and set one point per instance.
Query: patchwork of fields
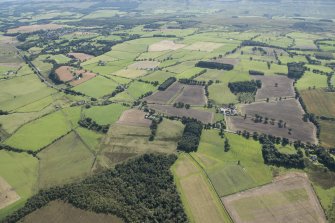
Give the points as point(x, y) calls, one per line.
point(87, 87)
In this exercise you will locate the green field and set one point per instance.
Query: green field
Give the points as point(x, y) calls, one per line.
point(222, 167)
point(65, 161)
point(37, 134)
point(104, 115)
point(137, 89)
point(20, 170)
point(106, 86)
point(312, 81)
point(31, 89)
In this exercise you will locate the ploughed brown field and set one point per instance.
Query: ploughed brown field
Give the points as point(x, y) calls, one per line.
point(203, 116)
point(290, 198)
point(81, 56)
point(274, 87)
point(177, 92)
point(289, 111)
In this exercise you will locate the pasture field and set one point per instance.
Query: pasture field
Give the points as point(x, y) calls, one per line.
point(289, 198)
point(199, 199)
point(276, 86)
point(224, 76)
point(319, 102)
point(144, 65)
point(64, 161)
point(246, 64)
point(8, 195)
point(82, 57)
point(221, 94)
point(104, 115)
point(159, 76)
point(106, 86)
point(189, 73)
point(91, 139)
point(289, 111)
point(37, 134)
point(312, 81)
point(19, 170)
point(136, 89)
point(32, 28)
point(204, 46)
point(327, 133)
point(58, 211)
point(222, 167)
point(31, 89)
point(102, 14)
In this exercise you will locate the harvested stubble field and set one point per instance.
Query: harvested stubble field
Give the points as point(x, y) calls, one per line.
point(327, 133)
point(58, 211)
point(165, 45)
point(144, 65)
point(289, 198)
point(204, 46)
point(130, 73)
point(33, 28)
point(274, 87)
point(203, 116)
point(192, 95)
point(319, 102)
point(288, 111)
point(82, 57)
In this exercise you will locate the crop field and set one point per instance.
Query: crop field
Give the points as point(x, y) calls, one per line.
point(274, 87)
point(36, 134)
point(289, 198)
point(319, 102)
point(226, 174)
point(289, 111)
point(165, 45)
point(58, 211)
point(327, 133)
point(33, 28)
point(104, 115)
point(199, 199)
point(203, 116)
point(65, 161)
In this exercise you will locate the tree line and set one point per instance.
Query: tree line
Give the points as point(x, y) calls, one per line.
point(167, 83)
point(214, 65)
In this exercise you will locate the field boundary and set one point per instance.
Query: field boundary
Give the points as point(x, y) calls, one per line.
point(210, 182)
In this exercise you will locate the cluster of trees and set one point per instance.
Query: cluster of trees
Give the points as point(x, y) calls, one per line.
point(245, 86)
point(181, 105)
point(312, 61)
point(226, 145)
point(255, 72)
point(296, 70)
point(325, 158)
point(4, 112)
point(192, 82)
point(324, 56)
point(214, 65)
point(145, 94)
point(272, 156)
point(118, 90)
point(88, 123)
point(141, 190)
point(153, 128)
point(72, 92)
point(167, 83)
point(191, 136)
